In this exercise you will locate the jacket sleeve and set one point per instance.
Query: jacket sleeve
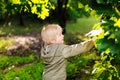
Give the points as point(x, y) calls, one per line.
point(76, 49)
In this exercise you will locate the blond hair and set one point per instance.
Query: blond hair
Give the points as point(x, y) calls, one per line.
point(49, 32)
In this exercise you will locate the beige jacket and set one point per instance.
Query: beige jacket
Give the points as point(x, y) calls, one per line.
point(55, 56)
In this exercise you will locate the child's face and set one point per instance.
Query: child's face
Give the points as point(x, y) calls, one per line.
point(60, 37)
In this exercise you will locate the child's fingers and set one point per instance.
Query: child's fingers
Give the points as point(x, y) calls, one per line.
point(93, 33)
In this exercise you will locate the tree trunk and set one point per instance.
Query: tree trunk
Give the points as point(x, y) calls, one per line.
point(62, 13)
point(21, 22)
point(7, 19)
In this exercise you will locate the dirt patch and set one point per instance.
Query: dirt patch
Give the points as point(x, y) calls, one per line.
point(24, 44)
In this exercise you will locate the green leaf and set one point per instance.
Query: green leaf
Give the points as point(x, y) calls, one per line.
point(16, 1)
point(117, 35)
point(110, 1)
point(108, 23)
point(100, 1)
point(87, 8)
point(114, 49)
point(103, 45)
point(33, 9)
point(80, 5)
point(117, 24)
point(93, 13)
point(23, 1)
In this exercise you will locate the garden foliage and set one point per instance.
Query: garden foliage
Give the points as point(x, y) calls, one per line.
point(108, 44)
point(108, 41)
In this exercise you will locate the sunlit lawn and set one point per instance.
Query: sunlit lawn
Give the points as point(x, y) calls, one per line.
point(76, 30)
point(82, 25)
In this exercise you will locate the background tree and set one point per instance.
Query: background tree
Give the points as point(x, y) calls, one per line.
point(39, 7)
point(62, 13)
point(5, 11)
point(68, 10)
point(62, 10)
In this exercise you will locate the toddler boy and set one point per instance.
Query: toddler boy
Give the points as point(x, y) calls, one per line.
point(54, 53)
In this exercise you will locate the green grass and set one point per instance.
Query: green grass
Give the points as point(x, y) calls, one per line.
point(82, 25)
point(13, 30)
point(76, 30)
point(6, 61)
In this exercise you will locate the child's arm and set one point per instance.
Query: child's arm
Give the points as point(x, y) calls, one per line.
point(76, 49)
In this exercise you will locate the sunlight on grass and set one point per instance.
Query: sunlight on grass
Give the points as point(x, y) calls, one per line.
point(83, 25)
point(76, 30)
point(5, 43)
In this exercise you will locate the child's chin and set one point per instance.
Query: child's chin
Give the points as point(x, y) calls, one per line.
point(60, 42)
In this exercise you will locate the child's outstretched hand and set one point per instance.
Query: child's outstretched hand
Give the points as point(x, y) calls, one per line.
point(94, 33)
